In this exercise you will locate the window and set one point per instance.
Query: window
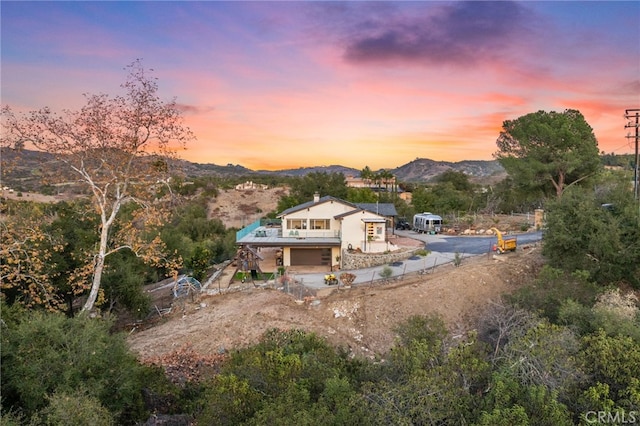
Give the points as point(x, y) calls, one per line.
point(320, 223)
point(296, 224)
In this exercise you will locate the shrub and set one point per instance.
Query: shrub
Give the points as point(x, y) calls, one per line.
point(386, 272)
point(422, 252)
point(74, 408)
point(583, 235)
point(47, 354)
point(551, 288)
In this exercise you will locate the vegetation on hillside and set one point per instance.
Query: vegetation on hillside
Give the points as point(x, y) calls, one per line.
point(559, 349)
point(519, 366)
point(119, 149)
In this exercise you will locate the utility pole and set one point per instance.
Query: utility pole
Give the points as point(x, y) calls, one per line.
point(629, 114)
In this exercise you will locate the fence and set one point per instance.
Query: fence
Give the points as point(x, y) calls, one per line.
point(247, 230)
point(285, 282)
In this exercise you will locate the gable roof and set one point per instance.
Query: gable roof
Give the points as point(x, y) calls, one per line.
point(355, 211)
point(382, 209)
point(325, 199)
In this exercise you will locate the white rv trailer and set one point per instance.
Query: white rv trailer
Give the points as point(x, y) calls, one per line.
point(427, 222)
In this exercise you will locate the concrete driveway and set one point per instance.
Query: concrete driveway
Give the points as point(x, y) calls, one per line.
point(442, 250)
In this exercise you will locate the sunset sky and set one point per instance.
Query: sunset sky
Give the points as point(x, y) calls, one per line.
point(273, 85)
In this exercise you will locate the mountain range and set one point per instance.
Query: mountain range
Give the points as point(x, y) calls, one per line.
point(416, 171)
point(24, 169)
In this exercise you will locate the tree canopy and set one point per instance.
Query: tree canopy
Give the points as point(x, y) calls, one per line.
point(551, 150)
point(303, 188)
point(597, 234)
point(119, 148)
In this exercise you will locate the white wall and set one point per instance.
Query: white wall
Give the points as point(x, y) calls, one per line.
point(325, 210)
point(350, 228)
point(353, 232)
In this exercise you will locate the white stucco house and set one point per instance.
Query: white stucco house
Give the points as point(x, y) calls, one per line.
point(317, 232)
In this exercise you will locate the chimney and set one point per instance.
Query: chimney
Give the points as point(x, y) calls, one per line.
point(316, 197)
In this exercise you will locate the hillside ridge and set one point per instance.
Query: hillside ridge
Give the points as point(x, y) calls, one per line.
point(23, 170)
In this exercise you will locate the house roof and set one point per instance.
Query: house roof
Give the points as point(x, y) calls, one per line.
point(356, 211)
point(383, 209)
point(349, 213)
point(325, 199)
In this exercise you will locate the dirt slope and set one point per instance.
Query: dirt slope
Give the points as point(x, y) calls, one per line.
point(238, 208)
point(362, 318)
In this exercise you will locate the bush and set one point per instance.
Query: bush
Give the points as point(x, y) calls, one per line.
point(614, 313)
point(430, 329)
point(552, 287)
point(582, 235)
point(49, 354)
point(75, 408)
point(386, 272)
point(278, 381)
point(422, 252)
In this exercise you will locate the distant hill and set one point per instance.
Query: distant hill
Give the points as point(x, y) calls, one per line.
point(198, 169)
point(302, 171)
point(425, 170)
point(24, 170)
point(418, 170)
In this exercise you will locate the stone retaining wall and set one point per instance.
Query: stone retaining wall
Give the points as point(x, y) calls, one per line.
point(354, 260)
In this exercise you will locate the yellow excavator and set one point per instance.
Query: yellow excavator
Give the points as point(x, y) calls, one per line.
point(504, 244)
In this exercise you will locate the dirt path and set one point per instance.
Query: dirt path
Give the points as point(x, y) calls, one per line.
point(362, 318)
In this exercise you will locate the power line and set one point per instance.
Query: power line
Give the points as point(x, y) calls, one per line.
point(629, 114)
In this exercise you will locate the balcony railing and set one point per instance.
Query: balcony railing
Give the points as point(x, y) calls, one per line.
point(247, 230)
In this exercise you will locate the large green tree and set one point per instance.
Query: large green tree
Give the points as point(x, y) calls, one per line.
point(322, 183)
point(598, 233)
point(552, 150)
point(452, 193)
point(118, 148)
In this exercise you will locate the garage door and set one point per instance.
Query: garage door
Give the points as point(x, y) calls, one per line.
point(313, 256)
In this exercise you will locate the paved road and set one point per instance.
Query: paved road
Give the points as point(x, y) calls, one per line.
point(470, 245)
point(442, 249)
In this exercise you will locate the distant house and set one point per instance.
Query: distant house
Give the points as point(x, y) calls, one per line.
point(249, 185)
point(317, 232)
point(382, 184)
point(356, 182)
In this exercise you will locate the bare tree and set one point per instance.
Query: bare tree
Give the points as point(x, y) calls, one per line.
point(532, 349)
point(501, 323)
point(119, 148)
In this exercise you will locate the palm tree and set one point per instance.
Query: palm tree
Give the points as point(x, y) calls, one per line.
point(367, 175)
point(386, 177)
